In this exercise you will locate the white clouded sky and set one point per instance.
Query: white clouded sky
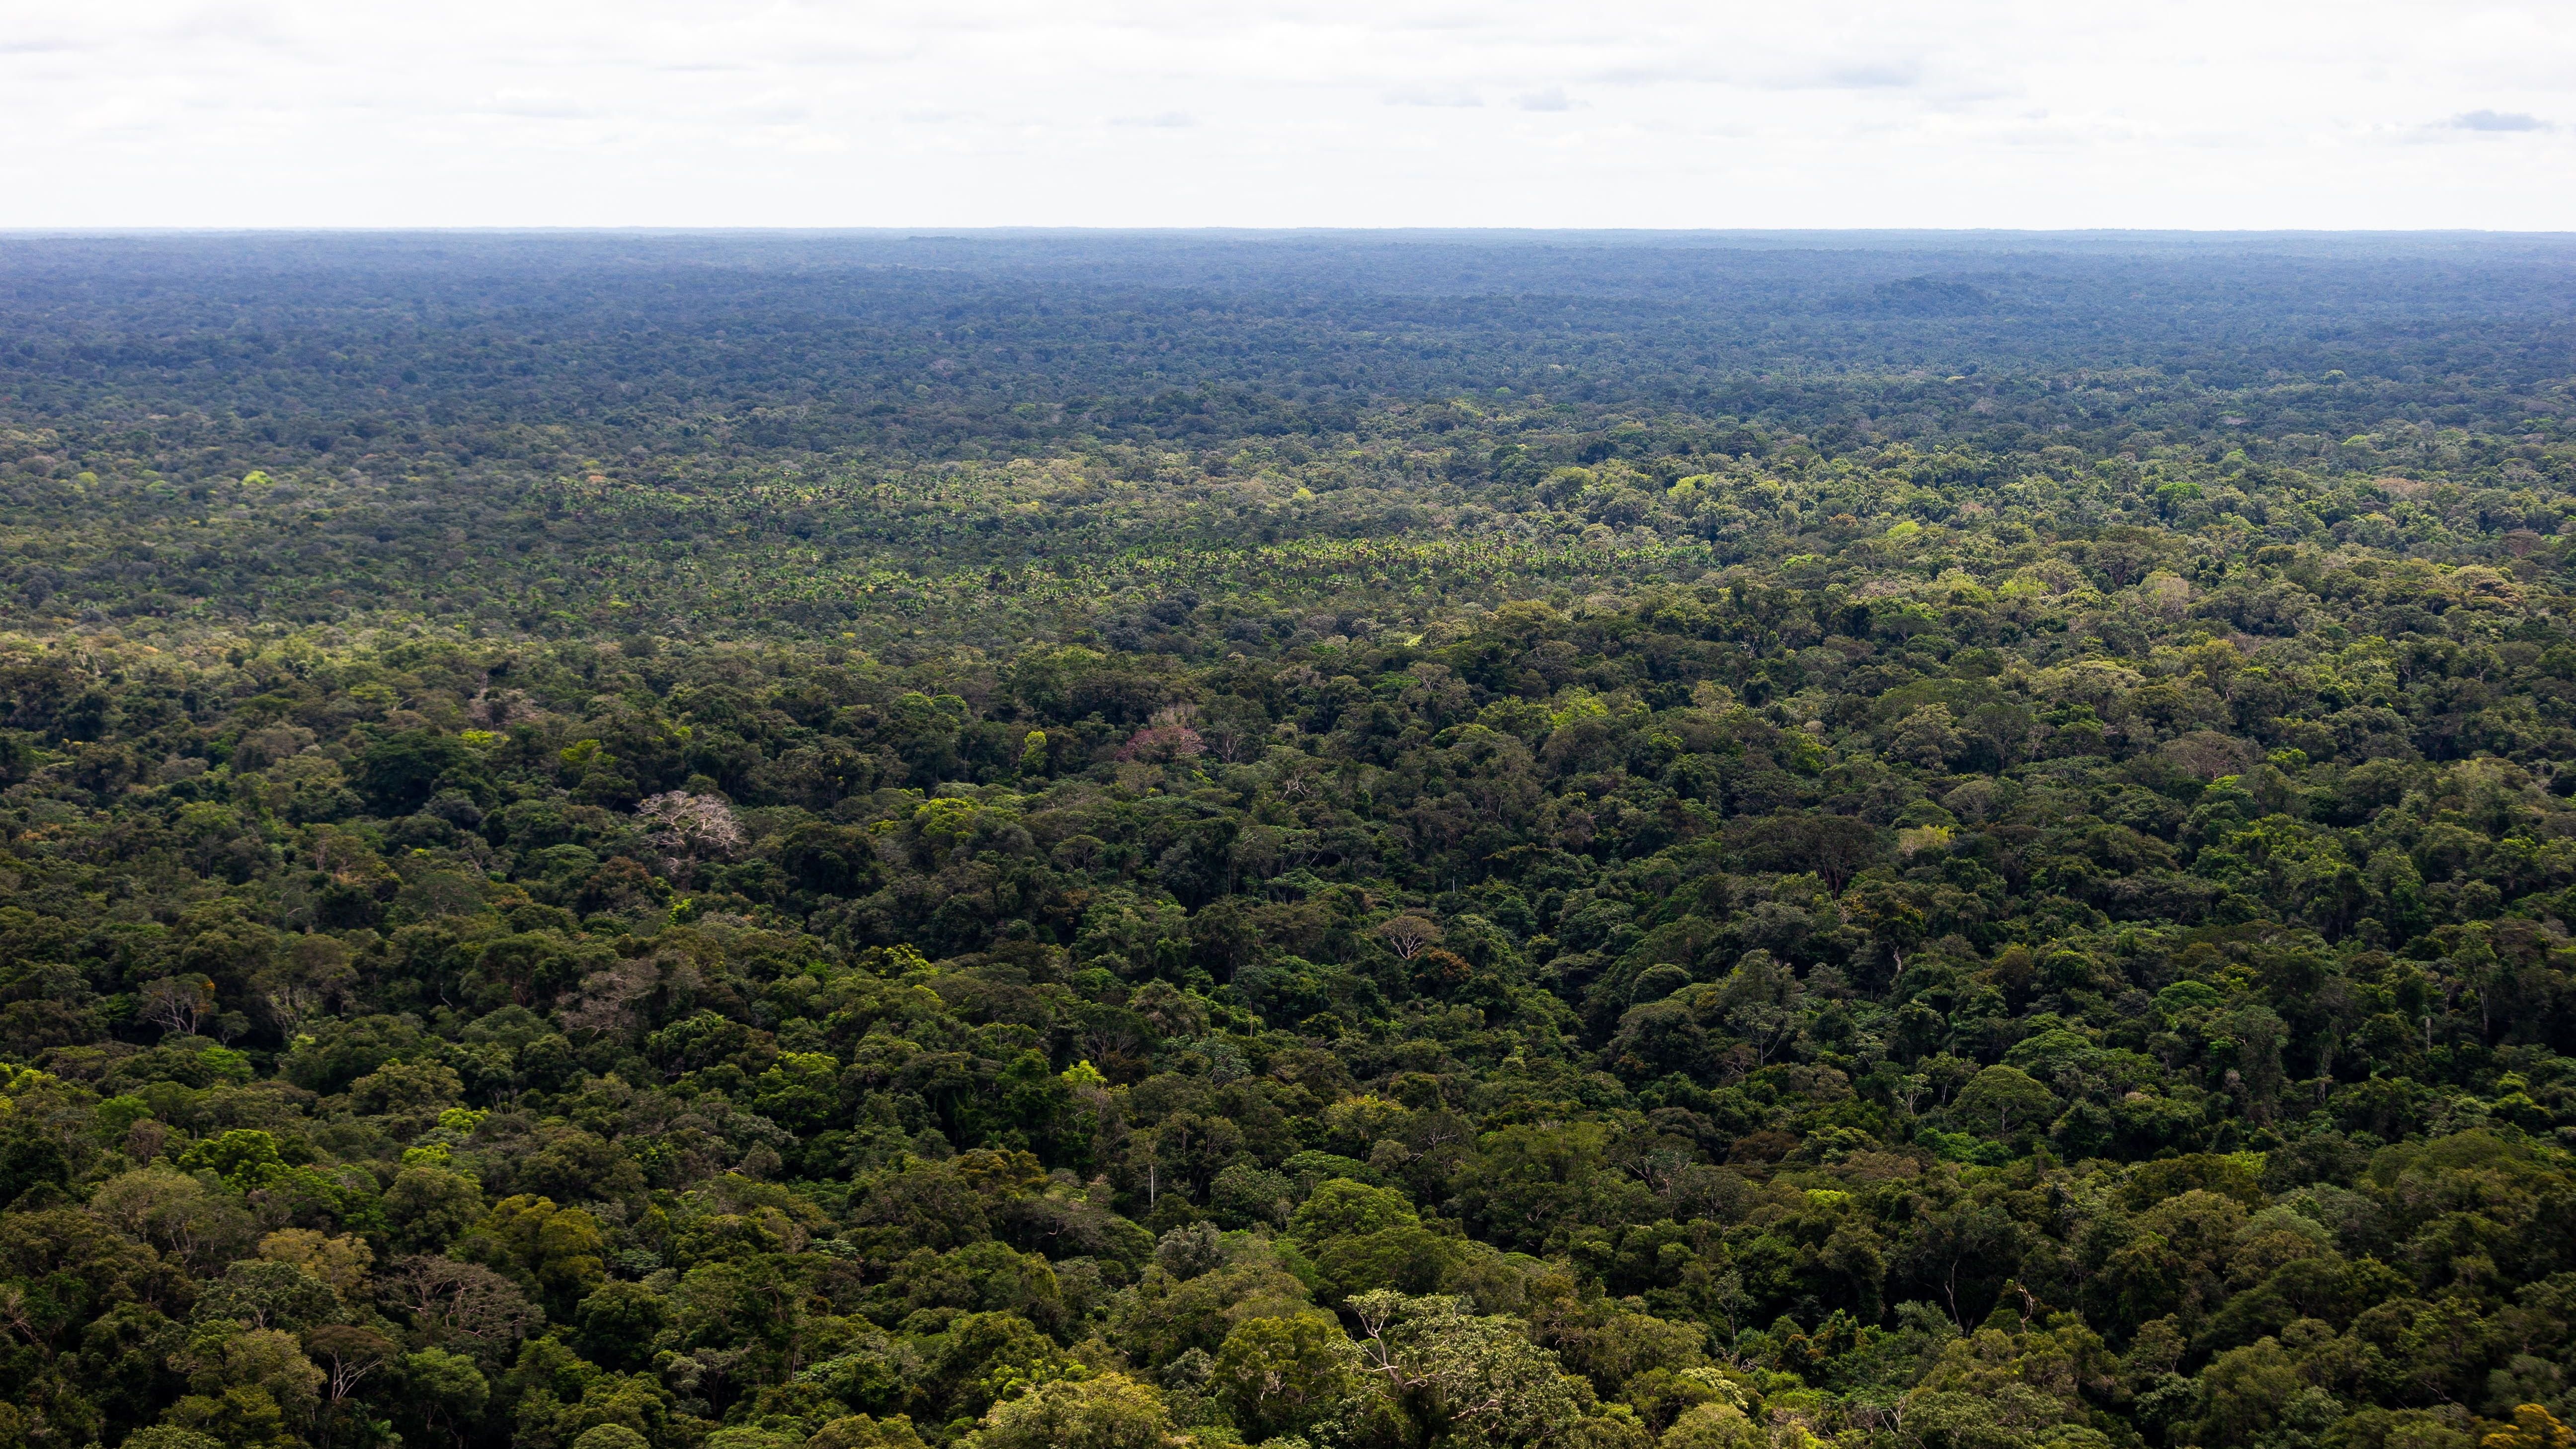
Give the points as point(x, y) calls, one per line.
point(1632, 113)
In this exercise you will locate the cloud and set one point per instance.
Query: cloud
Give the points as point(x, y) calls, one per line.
point(537, 106)
point(2499, 121)
point(241, 24)
point(774, 111)
point(1873, 75)
point(1768, 72)
point(1841, 74)
point(1695, 113)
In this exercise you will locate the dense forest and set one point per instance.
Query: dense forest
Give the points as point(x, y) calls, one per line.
point(698, 842)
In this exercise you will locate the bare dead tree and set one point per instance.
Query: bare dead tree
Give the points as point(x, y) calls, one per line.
point(462, 1300)
point(1409, 936)
point(348, 1354)
point(178, 1003)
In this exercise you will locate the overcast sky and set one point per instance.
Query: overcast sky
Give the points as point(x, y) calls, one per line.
point(2249, 113)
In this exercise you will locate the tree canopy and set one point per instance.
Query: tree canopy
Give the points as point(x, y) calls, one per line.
point(877, 844)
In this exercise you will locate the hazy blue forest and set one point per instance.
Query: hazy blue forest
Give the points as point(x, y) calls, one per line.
point(1333, 841)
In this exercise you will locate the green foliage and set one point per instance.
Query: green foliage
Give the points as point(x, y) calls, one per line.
point(1111, 1412)
point(1807, 867)
point(1280, 1376)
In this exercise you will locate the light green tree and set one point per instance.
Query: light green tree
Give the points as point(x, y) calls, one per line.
point(1461, 1379)
point(2003, 1096)
point(1278, 1376)
point(1112, 1411)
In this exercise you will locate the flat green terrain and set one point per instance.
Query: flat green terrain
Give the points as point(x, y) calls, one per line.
point(760, 842)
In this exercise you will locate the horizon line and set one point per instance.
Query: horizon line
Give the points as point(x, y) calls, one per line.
point(936, 232)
